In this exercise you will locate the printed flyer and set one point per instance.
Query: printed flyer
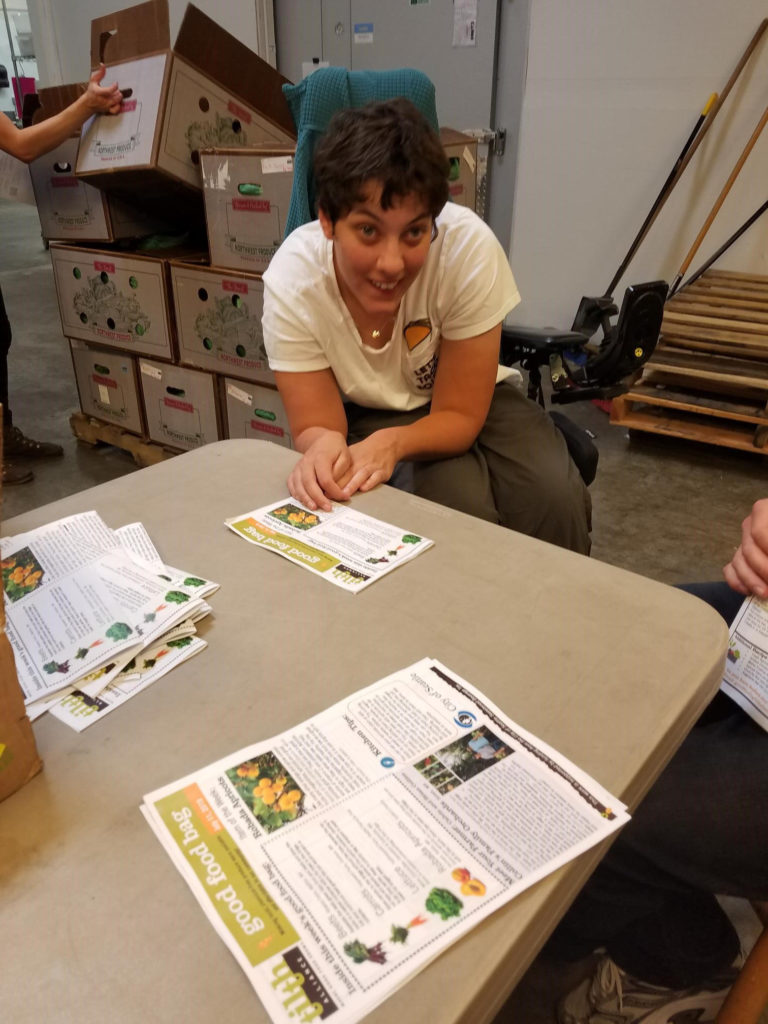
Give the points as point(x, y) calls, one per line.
point(343, 546)
point(746, 663)
point(337, 859)
point(82, 601)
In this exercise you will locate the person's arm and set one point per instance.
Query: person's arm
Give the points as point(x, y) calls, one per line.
point(461, 398)
point(29, 143)
point(747, 572)
point(319, 429)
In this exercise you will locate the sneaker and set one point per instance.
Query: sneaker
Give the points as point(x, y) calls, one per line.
point(611, 996)
point(14, 474)
point(17, 446)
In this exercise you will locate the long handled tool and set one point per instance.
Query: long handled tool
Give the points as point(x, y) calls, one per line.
point(725, 246)
point(661, 198)
point(719, 202)
point(697, 137)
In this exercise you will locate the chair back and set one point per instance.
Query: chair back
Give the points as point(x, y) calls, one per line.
point(632, 340)
point(315, 100)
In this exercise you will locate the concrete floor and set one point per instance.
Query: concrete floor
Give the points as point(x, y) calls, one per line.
point(667, 509)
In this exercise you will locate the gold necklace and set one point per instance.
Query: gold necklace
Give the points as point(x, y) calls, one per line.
point(376, 331)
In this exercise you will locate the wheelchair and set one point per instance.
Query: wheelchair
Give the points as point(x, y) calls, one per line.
point(582, 368)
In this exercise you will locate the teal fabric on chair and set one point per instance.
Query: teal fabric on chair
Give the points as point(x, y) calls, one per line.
point(315, 100)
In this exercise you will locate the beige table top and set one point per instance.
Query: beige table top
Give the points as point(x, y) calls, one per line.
point(97, 925)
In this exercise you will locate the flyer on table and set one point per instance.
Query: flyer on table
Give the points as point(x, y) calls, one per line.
point(338, 858)
point(344, 546)
point(746, 663)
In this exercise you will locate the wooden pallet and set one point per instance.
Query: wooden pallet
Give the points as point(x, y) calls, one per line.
point(92, 431)
point(708, 377)
point(723, 312)
point(707, 418)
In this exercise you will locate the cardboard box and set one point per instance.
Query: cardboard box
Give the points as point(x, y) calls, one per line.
point(210, 90)
point(114, 298)
point(218, 321)
point(69, 208)
point(181, 406)
point(19, 760)
point(255, 410)
point(461, 150)
point(108, 386)
point(247, 194)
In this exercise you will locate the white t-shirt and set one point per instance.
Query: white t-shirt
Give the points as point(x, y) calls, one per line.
point(465, 288)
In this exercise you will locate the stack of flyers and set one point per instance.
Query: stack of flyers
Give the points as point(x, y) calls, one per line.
point(94, 615)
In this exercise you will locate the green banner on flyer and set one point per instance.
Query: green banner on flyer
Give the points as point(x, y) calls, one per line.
point(257, 533)
point(236, 893)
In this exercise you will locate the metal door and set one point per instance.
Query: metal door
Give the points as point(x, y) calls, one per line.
point(452, 41)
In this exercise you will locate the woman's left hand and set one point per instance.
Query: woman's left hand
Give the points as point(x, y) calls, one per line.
point(373, 461)
point(102, 99)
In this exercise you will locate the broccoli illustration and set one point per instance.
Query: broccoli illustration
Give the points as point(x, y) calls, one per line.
point(183, 641)
point(411, 538)
point(177, 596)
point(444, 903)
point(100, 303)
point(194, 581)
point(118, 631)
point(202, 134)
point(231, 327)
point(82, 652)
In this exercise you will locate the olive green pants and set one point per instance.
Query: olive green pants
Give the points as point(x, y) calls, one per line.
point(518, 472)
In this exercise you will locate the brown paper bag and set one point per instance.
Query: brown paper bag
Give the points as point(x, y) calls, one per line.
point(19, 759)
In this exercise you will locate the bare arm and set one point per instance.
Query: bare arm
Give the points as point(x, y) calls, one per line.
point(747, 572)
point(466, 376)
point(319, 428)
point(29, 143)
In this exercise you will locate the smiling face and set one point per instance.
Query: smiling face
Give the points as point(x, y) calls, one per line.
point(378, 253)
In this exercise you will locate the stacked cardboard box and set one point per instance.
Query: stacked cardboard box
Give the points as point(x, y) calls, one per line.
point(158, 337)
point(167, 342)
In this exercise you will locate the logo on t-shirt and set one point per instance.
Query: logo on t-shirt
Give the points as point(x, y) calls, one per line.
point(416, 332)
point(425, 375)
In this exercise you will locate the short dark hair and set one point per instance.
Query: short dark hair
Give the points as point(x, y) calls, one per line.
point(388, 142)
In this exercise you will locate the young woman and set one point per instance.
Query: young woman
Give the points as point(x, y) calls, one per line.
point(382, 321)
point(27, 144)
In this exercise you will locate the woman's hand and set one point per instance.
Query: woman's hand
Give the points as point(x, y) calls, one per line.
point(102, 99)
point(747, 572)
point(314, 480)
point(373, 461)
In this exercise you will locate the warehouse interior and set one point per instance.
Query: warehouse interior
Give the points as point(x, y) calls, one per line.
point(588, 144)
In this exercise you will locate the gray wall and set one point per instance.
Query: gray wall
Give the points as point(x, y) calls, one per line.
point(613, 90)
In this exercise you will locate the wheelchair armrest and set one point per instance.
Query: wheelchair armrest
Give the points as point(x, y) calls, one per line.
point(517, 342)
point(542, 337)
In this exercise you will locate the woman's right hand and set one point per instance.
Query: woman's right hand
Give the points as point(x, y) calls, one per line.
point(747, 572)
point(317, 478)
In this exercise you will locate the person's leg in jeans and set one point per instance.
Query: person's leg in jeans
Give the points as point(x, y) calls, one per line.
point(16, 445)
point(5, 346)
point(12, 473)
point(700, 830)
